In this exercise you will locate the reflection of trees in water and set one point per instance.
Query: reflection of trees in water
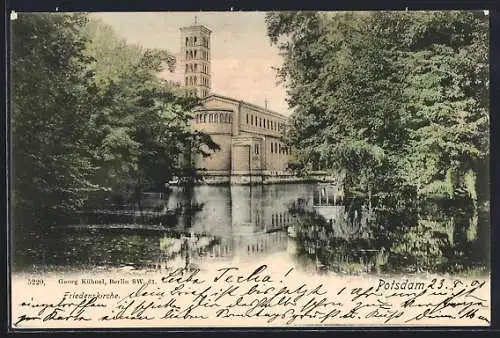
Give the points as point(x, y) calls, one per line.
point(451, 238)
point(437, 238)
point(329, 249)
point(88, 249)
point(185, 248)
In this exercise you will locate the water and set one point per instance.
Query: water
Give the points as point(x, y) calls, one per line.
point(309, 224)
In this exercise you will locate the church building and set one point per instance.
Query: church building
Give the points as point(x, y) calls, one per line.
point(249, 136)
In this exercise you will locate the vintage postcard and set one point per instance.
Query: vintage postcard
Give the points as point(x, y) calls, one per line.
point(249, 169)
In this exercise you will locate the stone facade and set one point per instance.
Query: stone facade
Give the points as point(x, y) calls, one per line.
point(248, 135)
point(250, 140)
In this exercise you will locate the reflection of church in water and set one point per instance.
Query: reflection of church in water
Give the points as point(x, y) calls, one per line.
point(235, 221)
point(255, 221)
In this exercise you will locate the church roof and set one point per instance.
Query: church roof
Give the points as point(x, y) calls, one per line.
point(251, 105)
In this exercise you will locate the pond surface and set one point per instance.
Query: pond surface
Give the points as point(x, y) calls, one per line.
point(310, 224)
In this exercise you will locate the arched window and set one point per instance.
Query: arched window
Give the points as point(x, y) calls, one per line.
point(187, 53)
point(229, 118)
point(216, 118)
point(186, 81)
point(195, 53)
point(251, 119)
point(195, 40)
point(195, 67)
point(194, 81)
point(247, 118)
point(204, 118)
point(264, 123)
point(272, 148)
point(187, 39)
point(260, 122)
point(210, 118)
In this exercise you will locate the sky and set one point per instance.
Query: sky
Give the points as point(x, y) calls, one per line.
point(242, 56)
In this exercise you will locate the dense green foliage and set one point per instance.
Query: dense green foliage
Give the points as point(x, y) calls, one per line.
point(90, 117)
point(396, 101)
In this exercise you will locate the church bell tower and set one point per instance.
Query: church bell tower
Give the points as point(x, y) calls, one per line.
point(195, 56)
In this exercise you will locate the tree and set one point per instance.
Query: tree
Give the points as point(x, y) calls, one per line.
point(396, 101)
point(142, 122)
point(446, 95)
point(51, 90)
point(343, 86)
point(90, 116)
